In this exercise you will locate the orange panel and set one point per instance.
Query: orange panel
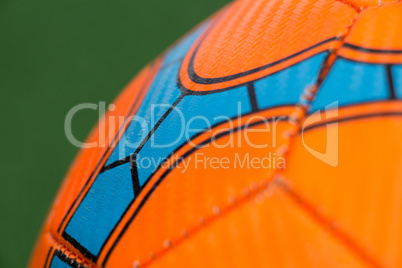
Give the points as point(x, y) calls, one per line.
point(268, 230)
point(252, 39)
point(362, 195)
point(375, 36)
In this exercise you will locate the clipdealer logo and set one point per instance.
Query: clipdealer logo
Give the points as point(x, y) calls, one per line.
point(185, 129)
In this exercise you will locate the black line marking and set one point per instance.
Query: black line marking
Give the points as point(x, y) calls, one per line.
point(115, 164)
point(103, 156)
point(252, 97)
point(371, 50)
point(134, 176)
point(345, 119)
point(206, 81)
point(70, 262)
point(186, 91)
point(390, 80)
point(47, 257)
point(177, 162)
point(199, 80)
point(127, 158)
point(79, 247)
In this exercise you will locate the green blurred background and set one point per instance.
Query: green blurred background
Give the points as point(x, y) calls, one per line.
point(55, 55)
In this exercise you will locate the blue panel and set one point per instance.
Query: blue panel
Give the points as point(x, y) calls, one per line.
point(352, 82)
point(172, 129)
point(57, 263)
point(286, 87)
point(180, 50)
point(397, 75)
point(101, 208)
point(162, 91)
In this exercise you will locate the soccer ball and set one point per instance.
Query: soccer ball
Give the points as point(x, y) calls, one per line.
point(269, 136)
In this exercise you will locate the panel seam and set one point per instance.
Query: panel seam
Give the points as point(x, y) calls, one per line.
point(350, 4)
point(253, 190)
point(69, 252)
point(325, 223)
point(259, 191)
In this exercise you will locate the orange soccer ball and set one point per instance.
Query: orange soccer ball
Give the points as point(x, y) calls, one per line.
point(269, 136)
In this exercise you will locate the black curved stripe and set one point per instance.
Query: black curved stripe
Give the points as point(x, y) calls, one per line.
point(252, 97)
point(79, 247)
point(207, 81)
point(47, 257)
point(390, 81)
point(372, 50)
point(150, 133)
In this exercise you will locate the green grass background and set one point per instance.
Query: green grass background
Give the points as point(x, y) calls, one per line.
point(54, 55)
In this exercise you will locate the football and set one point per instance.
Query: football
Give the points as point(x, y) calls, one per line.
point(269, 136)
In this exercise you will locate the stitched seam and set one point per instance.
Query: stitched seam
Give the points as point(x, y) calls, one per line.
point(361, 7)
point(325, 223)
point(348, 3)
point(254, 191)
point(310, 92)
point(70, 252)
point(251, 191)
